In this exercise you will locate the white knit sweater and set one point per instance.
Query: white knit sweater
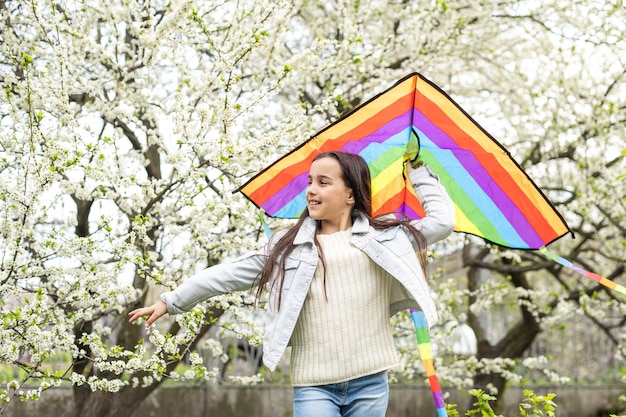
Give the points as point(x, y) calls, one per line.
point(346, 334)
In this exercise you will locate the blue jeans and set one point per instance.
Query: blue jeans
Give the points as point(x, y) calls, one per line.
point(367, 396)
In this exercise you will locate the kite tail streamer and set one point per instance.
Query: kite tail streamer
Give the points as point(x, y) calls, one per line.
point(423, 343)
point(598, 278)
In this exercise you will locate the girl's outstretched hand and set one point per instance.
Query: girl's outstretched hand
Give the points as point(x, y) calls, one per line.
point(153, 312)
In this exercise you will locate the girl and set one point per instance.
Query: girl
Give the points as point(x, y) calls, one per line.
point(334, 279)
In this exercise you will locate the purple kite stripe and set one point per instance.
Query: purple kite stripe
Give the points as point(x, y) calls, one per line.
point(389, 129)
point(423, 124)
point(403, 211)
point(407, 211)
point(498, 196)
point(280, 199)
point(438, 397)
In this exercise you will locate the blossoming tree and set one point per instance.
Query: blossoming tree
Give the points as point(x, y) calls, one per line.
point(126, 125)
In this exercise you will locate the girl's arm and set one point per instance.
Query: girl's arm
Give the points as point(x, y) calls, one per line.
point(440, 218)
point(237, 275)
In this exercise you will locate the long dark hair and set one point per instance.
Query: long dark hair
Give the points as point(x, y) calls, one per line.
point(356, 175)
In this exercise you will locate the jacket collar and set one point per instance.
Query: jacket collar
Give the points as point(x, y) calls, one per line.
point(360, 224)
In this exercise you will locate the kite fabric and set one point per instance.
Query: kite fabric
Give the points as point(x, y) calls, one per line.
point(493, 197)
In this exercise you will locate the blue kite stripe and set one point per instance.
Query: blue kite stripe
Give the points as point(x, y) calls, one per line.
point(459, 180)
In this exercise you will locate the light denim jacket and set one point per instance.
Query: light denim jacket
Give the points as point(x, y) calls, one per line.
point(393, 249)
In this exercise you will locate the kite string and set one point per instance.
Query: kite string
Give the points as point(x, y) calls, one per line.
point(592, 275)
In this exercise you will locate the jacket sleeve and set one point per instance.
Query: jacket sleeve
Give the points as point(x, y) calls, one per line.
point(440, 218)
point(237, 275)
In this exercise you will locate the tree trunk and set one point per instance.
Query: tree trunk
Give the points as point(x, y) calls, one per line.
point(512, 346)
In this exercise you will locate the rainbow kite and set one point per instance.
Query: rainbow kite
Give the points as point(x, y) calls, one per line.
point(493, 196)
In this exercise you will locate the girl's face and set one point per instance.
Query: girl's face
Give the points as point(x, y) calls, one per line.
point(328, 198)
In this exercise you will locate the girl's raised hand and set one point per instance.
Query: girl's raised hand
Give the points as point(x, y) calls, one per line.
point(410, 167)
point(154, 312)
